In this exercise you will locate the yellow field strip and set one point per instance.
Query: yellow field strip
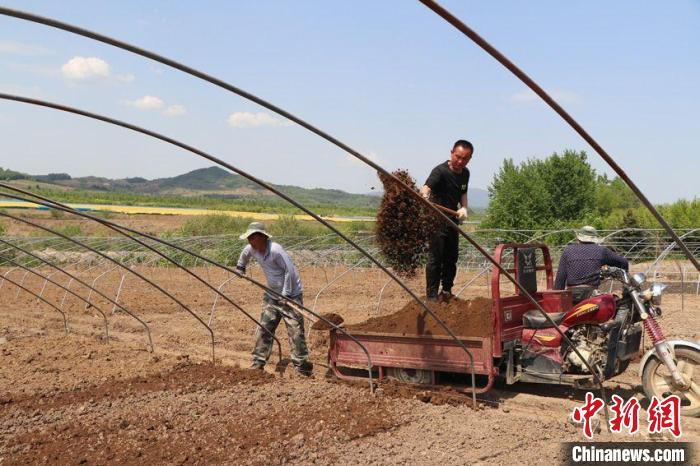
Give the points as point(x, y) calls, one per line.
point(127, 209)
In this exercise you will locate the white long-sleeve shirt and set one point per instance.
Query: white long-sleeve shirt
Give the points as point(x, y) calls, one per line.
point(281, 274)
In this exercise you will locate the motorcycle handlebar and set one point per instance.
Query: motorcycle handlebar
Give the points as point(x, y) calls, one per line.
point(608, 271)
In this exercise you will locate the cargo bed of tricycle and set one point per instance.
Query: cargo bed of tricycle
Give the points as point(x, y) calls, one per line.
point(440, 354)
point(435, 353)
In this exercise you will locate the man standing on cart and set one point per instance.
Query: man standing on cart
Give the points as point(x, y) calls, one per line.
point(447, 186)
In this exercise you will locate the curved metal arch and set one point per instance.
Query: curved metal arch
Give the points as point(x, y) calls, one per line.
point(622, 230)
point(668, 249)
point(234, 271)
point(92, 288)
point(153, 284)
point(125, 46)
point(21, 287)
point(269, 187)
point(29, 270)
point(83, 283)
point(510, 66)
point(115, 227)
point(224, 85)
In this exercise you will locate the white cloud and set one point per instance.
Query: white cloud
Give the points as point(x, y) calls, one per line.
point(126, 78)
point(19, 48)
point(148, 102)
point(175, 110)
point(85, 68)
point(560, 95)
point(254, 120)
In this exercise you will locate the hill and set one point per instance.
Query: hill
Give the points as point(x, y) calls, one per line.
point(216, 183)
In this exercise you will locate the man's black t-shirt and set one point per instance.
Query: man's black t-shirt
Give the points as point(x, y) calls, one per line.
point(447, 186)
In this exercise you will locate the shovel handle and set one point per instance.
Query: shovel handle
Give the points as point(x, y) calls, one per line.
point(446, 210)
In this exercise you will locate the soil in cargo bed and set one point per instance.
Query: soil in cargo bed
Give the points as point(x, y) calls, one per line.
point(467, 318)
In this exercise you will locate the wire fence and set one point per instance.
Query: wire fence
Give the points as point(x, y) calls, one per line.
point(650, 251)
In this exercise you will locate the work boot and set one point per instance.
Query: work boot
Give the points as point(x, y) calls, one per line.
point(306, 368)
point(432, 298)
point(446, 295)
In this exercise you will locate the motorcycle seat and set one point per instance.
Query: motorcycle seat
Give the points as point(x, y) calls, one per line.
point(535, 319)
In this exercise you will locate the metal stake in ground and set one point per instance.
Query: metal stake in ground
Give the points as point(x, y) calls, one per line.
point(56, 205)
point(92, 288)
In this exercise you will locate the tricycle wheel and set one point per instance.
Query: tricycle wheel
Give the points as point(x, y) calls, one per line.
point(656, 380)
point(418, 376)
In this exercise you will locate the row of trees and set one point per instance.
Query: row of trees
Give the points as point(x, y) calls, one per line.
point(564, 191)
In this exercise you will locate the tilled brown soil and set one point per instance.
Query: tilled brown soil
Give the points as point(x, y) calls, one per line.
point(77, 398)
point(471, 317)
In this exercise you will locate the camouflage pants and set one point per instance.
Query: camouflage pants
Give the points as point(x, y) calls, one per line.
point(273, 311)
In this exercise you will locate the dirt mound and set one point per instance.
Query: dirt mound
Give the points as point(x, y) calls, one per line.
point(464, 317)
point(241, 426)
point(332, 317)
point(404, 225)
point(185, 377)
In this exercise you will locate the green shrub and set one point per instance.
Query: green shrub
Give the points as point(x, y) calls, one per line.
point(288, 225)
point(70, 230)
point(216, 224)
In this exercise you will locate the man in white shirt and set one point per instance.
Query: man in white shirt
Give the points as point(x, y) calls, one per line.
point(283, 278)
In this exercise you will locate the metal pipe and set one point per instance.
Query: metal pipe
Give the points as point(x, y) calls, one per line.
point(668, 249)
point(333, 281)
point(60, 269)
point(6, 186)
point(224, 85)
point(63, 314)
point(48, 230)
point(491, 50)
point(261, 183)
point(296, 305)
point(379, 301)
point(117, 228)
point(104, 317)
point(139, 51)
point(21, 282)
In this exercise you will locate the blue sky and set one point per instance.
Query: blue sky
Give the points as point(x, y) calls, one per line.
point(389, 78)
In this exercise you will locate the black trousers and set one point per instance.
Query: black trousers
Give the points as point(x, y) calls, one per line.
point(442, 261)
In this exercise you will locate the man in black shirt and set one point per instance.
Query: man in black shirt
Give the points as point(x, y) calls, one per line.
point(447, 186)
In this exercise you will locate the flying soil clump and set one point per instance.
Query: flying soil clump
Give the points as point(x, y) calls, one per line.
point(404, 225)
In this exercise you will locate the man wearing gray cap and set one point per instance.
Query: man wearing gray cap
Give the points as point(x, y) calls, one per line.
point(580, 264)
point(283, 278)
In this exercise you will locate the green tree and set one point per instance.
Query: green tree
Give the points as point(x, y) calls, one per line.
point(542, 194)
point(613, 194)
point(570, 184)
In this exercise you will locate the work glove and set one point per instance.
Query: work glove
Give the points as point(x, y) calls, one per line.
point(462, 214)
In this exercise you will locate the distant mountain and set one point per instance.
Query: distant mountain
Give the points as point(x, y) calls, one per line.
point(215, 182)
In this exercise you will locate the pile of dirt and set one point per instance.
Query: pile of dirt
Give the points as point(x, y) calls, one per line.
point(185, 377)
point(331, 317)
point(404, 225)
point(470, 317)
